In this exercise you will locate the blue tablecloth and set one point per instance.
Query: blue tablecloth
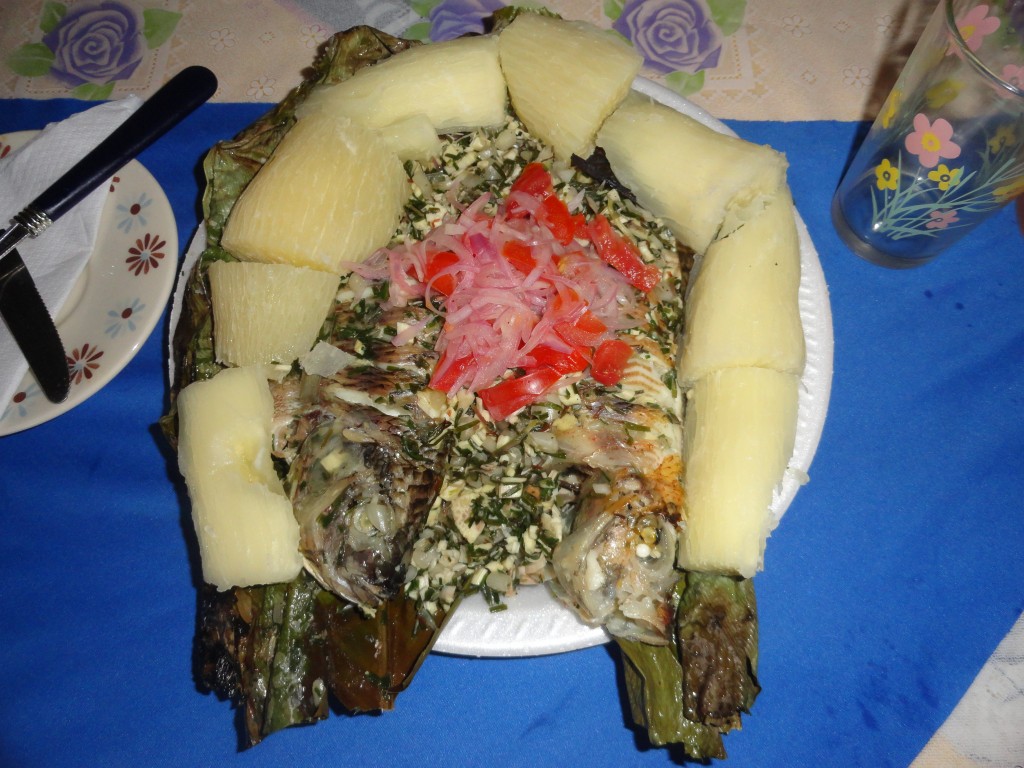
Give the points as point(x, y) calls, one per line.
point(892, 578)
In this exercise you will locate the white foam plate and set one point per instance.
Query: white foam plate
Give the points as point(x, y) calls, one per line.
point(534, 622)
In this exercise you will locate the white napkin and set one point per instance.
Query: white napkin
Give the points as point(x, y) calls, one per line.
point(986, 729)
point(56, 258)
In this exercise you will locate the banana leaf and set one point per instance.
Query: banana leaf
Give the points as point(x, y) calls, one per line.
point(284, 652)
point(693, 690)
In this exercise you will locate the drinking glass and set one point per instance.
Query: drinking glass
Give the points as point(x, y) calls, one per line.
point(947, 149)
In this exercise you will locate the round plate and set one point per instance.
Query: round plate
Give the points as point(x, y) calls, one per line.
point(117, 300)
point(534, 623)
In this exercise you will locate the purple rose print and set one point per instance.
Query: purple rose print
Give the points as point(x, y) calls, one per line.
point(672, 35)
point(96, 43)
point(452, 18)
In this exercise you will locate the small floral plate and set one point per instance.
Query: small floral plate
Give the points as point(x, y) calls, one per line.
point(118, 299)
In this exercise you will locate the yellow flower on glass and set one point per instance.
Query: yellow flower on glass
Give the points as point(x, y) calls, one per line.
point(945, 177)
point(1009, 191)
point(890, 107)
point(943, 92)
point(887, 175)
point(1003, 137)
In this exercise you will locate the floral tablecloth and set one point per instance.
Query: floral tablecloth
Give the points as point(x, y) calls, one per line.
point(775, 60)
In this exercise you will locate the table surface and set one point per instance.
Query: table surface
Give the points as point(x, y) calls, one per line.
point(892, 578)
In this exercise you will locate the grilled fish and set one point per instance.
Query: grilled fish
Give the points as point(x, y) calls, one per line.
point(616, 563)
point(365, 460)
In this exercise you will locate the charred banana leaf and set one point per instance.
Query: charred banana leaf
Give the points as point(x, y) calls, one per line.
point(694, 690)
point(284, 651)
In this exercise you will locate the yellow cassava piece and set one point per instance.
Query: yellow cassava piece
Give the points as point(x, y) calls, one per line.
point(703, 183)
point(740, 429)
point(412, 138)
point(564, 78)
point(456, 85)
point(332, 192)
point(244, 521)
point(267, 313)
point(743, 308)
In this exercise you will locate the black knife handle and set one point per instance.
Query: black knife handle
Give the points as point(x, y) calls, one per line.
point(178, 98)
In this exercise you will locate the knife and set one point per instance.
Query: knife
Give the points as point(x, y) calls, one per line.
point(20, 304)
point(32, 327)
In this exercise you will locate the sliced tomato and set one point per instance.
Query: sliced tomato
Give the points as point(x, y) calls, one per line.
point(621, 254)
point(610, 361)
point(584, 331)
point(436, 263)
point(579, 223)
point(519, 255)
point(535, 181)
point(508, 396)
point(447, 374)
point(554, 214)
point(573, 361)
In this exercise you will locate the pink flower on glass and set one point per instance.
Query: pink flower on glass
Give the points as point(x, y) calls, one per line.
point(931, 141)
point(941, 219)
point(1014, 75)
point(976, 25)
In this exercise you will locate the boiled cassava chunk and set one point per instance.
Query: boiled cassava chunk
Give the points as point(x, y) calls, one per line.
point(332, 192)
point(564, 78)
point(704, 183)
point(412, 138)
point(743, 308)
point(267, 313)
point(244, 521)
point(739, 432)
point(456, 85)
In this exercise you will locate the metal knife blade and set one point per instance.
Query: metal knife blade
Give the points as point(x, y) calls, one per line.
point(32, 327)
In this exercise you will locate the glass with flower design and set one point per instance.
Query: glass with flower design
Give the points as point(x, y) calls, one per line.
point(947, 149)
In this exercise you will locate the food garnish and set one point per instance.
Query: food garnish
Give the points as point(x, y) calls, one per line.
point(527, 288)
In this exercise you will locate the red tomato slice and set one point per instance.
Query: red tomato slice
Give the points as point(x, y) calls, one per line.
point(508, 396)
point(554, 214)
point(447, 375)
point(579, 222)
point(436, 263)
point(621, 254)
point(519, 255)
point(610, 361)
point(572, 361)
point(585, 331)
point(535, 181)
